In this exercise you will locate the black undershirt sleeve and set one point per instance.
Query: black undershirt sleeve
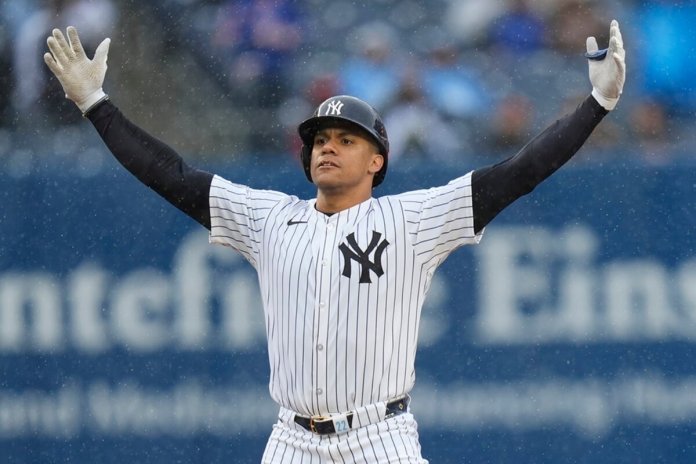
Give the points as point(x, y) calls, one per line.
point(154, 163)
point(494, 187)
point(497, 186)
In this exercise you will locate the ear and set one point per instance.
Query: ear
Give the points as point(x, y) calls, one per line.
point(376, 163)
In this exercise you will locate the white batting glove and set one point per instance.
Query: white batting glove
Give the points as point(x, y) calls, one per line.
point(81, 78)
point(607, 75)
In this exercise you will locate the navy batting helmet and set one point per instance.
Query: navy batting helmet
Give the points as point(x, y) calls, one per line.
point(352, 110)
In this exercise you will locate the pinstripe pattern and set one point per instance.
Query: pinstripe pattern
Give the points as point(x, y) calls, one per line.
point(394, 440)
point(336, 344)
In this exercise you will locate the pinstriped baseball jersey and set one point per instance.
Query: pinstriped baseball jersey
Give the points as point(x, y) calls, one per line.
point(342, 294)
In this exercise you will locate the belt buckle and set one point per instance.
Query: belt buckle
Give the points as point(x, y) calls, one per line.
point(313, 420)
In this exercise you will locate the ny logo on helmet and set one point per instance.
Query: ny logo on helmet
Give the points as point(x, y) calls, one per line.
point(334, 108)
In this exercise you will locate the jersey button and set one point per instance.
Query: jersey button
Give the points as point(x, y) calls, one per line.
point(320, 347)
point(330, 225)
point(319, 391)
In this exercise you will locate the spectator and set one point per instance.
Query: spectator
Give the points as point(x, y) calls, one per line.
point(372, 72)
point(569, 23)
point(511, 125)
point(257, 40)
point(572, 23)
point(6, 81)
point(416, 130)
point(452, 88)
point(651, 132)
point(13, 13)
point(518, 30)
point(35, 93)
point(468, 20)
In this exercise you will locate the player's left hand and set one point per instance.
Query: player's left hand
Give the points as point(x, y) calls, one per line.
point(81, 78)
point(608, 75)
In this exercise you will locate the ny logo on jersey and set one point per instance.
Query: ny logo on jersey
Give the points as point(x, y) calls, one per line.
point(352, 251)
point(334, 108)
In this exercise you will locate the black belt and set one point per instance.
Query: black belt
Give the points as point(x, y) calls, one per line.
point(322, 425)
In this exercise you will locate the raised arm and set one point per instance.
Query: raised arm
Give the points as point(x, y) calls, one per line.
point(154, 163)
point(495, 187)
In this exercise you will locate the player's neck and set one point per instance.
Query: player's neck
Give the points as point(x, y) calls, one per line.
point(329, 204)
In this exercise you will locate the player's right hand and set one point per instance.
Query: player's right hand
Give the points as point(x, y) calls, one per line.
point(81, 78)
point(608, 74)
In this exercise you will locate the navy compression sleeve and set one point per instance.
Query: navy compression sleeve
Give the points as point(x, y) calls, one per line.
point(154, 163)
point(497, 186)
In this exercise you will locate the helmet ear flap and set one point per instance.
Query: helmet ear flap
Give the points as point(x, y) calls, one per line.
point(306, 158)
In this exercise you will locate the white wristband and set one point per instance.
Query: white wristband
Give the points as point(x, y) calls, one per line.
point(91, 100)
point(608, 103)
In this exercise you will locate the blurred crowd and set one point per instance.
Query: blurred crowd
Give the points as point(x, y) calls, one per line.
point(453, 79)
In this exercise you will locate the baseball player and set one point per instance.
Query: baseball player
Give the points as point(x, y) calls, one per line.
point(343, 276)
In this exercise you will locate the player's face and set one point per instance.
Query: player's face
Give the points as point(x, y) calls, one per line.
point(343, 159)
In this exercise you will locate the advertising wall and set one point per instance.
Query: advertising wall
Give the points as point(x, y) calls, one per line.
point(567, 335)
